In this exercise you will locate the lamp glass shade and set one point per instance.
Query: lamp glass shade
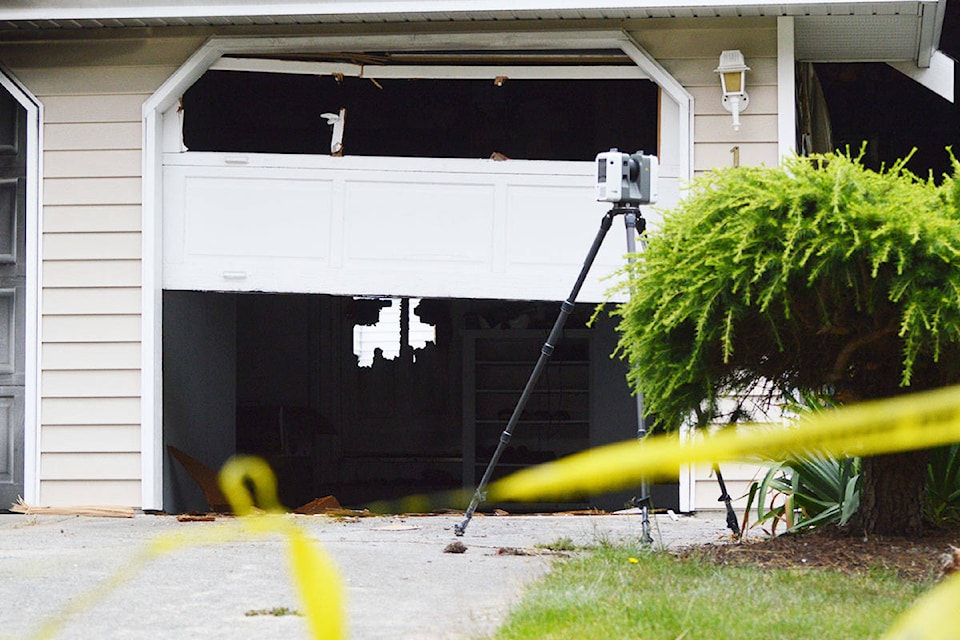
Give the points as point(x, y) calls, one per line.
point(732, 81)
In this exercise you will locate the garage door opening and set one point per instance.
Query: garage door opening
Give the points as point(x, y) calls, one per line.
point(279, 376)
point(499, 117)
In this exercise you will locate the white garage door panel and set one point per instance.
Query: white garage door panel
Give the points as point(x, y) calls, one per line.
point(555, 227)
point(414, 225)
point(403, 226)
point(263, 217)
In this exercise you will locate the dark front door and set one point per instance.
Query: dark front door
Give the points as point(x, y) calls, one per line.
point(13, 178)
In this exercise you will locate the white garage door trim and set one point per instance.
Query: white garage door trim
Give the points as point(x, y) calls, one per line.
point(676, 157)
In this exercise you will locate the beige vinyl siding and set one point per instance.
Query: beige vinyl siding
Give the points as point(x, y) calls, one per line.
point(119, 245)
point(78, 273)
point(71, 356)
point(121, 438)
point(87, 136)
point(93, 163)
point(91, 411)
point(92, 94)
point(90, 492)
point(90, 383)
point(690, 51)
point(91, 183)
point(103, 466)
point(736, 476)
point(91, 219)
point(105, 329)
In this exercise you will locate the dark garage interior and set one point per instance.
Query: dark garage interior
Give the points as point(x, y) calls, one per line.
point(419, 410)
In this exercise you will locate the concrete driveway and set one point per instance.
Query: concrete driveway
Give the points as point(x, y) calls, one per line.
point(400, 582)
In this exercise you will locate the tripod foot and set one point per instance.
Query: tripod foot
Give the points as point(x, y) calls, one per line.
point(645, 537)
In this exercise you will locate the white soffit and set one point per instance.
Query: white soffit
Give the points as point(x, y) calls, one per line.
point(854, 30)
point(112, 13)
point(857, 38)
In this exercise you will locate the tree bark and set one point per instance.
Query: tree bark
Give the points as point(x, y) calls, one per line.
point(891, 494)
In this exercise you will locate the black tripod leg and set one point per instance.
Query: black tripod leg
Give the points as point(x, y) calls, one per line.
point(545, 352)
point(636, 224)
point(725, 498)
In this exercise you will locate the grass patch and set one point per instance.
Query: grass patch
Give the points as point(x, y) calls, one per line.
point(624, 592)
point(275, 611)
point(560, 544)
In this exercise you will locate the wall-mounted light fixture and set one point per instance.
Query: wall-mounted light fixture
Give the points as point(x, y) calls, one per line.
point(733, 71)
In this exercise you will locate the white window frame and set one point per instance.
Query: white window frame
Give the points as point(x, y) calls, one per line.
point(31, 411)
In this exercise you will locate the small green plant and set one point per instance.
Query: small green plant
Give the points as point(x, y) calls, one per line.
point(816, 491)
point(560, 544)
point(808, 490)
point(943, 486)
point(275, 611)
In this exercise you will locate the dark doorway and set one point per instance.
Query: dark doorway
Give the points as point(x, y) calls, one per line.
point(893, 114)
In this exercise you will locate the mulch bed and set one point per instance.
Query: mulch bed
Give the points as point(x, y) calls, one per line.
point(920, 559)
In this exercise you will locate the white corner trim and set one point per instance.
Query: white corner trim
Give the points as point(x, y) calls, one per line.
point(676, 92)
point(151, 288)
point(167, 96)
point(931, 13)
point(151, 343)
point(938, 77)
point(786, 88)
point(31, 408)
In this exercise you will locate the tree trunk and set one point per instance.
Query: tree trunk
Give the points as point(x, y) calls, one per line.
point(891, 494)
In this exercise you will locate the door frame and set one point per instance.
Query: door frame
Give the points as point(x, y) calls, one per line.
point(31, 410)
point(679, 120)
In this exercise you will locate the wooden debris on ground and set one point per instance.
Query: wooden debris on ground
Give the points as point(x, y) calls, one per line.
point(95, 511)
point(196, 517)
point(397, 526)
point(319, 505)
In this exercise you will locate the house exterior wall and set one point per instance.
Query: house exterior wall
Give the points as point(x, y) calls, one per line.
point(690, 51)
point(92, 91)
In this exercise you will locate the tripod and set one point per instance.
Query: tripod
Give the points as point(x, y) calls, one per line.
point(634, 222)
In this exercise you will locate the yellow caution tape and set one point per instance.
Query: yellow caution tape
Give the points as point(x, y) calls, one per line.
point(314, 575)
point(917, 421)
point(232, 480)
point(935, 616)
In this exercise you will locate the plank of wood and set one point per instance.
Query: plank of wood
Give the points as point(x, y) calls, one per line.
point(96, 511)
